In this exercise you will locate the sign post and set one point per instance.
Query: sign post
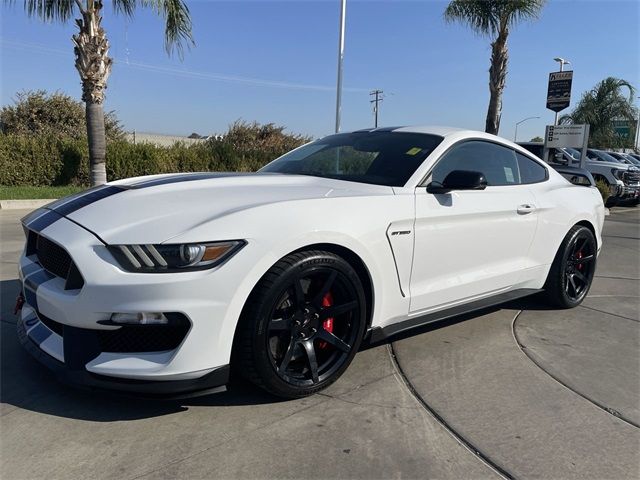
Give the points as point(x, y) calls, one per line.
point(559, 91)
point(566, 136)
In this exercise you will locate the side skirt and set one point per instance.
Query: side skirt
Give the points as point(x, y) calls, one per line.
point(379, 335)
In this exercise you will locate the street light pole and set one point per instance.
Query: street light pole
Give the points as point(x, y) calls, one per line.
point(562, 63)
point(637, 129)
point(343, 14)
point(515, 136)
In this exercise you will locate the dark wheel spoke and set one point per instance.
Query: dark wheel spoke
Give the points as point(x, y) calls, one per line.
point(280, 324)
point(573, 284)
point(331, 339)
point(335, 310)
point(287, 356)
point(579, 245)
point(581, 277)
point(317, 301)
point(588, 258)
point(311, 356)
point(298, 293)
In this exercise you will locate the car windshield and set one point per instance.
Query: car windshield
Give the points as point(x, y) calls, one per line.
point(605, 157)
point(380, 158)
point(573, 153)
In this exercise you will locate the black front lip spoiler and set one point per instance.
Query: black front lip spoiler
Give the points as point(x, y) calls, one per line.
point(213, 382)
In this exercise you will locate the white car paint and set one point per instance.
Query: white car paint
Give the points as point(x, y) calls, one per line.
point(423, 252)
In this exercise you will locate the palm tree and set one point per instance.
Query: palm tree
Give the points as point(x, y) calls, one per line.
point(91, 49)
point(600, 107)
point(493, 19)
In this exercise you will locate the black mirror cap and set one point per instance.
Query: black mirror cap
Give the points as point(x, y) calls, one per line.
point(459, 180)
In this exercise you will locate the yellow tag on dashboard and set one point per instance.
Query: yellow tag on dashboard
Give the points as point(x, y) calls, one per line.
point(414, 151)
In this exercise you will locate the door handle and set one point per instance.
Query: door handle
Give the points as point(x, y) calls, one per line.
point(526, 208)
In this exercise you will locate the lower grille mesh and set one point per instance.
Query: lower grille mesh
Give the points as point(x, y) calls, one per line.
point(133, 338)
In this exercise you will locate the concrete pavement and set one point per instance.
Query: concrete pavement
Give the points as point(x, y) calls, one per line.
point(519, 390)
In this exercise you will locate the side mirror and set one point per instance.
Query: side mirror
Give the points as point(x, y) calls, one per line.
point(459, 180)
point(560, 158)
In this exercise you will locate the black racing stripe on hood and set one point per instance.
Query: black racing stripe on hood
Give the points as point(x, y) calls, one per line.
point(41, 222)
point(185, 177)
point(88, 198)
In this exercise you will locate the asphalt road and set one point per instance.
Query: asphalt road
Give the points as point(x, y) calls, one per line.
point(519, 391)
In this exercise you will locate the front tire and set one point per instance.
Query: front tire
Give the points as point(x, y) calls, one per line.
point(302, 325)
point(572, 269)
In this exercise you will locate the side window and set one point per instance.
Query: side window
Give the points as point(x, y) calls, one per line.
point(530, 171)
point(498, 164)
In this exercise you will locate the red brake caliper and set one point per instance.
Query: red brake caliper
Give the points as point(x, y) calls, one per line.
point(327, 301)
point(578, 257)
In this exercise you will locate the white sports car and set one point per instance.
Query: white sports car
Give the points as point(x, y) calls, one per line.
point(164, 284)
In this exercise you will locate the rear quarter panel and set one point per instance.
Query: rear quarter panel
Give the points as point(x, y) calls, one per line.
point(561, 205)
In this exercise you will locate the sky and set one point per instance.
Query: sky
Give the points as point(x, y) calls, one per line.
point(275, 61)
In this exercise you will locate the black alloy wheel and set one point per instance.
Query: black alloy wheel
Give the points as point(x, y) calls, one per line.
point(573, 268)
point(579, 265)
point(302, 325)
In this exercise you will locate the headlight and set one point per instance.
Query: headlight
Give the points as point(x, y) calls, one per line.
point(172, 258)
point(619, 174)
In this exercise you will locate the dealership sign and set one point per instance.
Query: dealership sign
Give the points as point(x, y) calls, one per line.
point(566, 136)
point(559, 90)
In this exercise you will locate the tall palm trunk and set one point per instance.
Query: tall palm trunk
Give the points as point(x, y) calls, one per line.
point(497, 76)
point(94, 66)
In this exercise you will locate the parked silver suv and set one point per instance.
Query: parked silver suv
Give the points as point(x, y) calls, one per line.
point(621, 178)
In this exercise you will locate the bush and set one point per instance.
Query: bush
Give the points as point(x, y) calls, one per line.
point(49, 160)
point(53, 114)
point(604, 189)
point(40, 160)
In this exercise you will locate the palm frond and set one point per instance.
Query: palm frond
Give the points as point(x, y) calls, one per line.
point(492, 17)
point(126, 7)
point(603, 104)
point(48, 10)
point(177, 32)
point(476, 14)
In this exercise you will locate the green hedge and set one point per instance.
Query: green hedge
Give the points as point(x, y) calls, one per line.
point(38, 160)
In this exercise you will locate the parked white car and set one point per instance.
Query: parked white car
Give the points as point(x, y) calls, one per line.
point(161, 284)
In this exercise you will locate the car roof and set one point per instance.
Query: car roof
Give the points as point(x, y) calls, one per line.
point(439, 130)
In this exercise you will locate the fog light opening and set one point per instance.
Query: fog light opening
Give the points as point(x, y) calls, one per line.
point(140, 318)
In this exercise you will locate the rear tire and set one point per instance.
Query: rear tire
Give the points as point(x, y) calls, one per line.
point(302, 325)
point(572, 269)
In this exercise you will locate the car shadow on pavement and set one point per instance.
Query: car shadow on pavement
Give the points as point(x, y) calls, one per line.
point(26, 384)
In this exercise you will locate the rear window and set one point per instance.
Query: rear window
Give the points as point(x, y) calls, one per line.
point(535, 149)
point(530, 170)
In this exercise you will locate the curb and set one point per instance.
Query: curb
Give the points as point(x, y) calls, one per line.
point(24, 204)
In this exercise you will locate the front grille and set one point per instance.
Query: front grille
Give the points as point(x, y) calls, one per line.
point(135, 338)
point(53, 257)
point(632, 176)
point(52, 324)
point(55, 260)
point(145, 338)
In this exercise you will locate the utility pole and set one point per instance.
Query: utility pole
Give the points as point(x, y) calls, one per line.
point(343, 15)
point(377, 94)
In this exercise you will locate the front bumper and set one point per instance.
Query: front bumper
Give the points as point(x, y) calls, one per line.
point(65, 330)
point(212, 382)
point(629, 191)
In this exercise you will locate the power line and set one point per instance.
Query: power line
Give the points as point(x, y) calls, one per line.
point(168, 70)
point(378, 97)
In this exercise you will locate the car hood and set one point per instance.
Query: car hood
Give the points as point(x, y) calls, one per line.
point(619, 166)
point(156, 208)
